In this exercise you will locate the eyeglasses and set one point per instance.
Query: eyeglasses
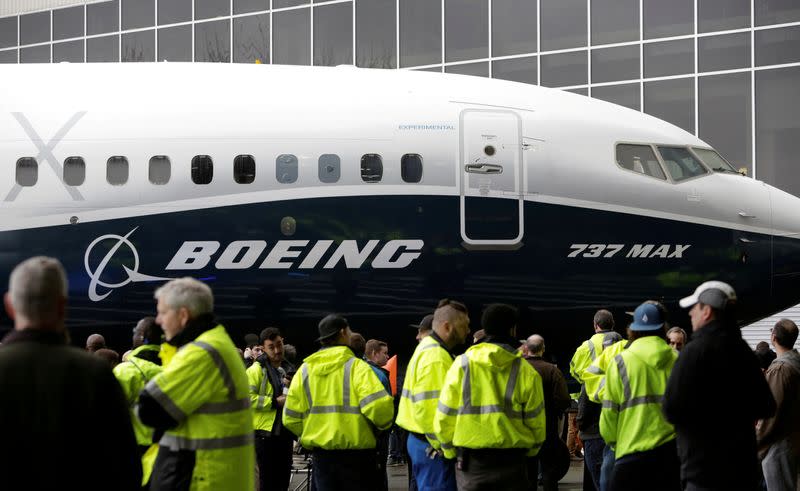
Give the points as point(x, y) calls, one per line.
point(453, 304)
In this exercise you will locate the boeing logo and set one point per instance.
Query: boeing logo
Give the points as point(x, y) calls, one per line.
point(245, 254)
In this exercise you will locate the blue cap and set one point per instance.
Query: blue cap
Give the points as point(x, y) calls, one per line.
point(647, 317)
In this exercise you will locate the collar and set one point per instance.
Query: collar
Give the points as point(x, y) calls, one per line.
point(194, 328)
point(713, 328)
point(33, 335)
point(531, 357)
point(441, 343)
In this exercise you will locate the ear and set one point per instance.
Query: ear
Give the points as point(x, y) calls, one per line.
point(183, 315)
point(9, 307)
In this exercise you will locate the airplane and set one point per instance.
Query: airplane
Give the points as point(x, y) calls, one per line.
point(299, 191)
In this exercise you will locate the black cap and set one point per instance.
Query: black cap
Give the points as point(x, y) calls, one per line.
point(426, 324)
point(331, 325)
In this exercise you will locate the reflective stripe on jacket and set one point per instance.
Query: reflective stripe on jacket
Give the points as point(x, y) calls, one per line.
point(132, 375)
point(335, 400)
point(594, 377)
point(589, 350)
point(261, 393)
point(491, 398)
point(204, 388)
point(425, 376)
point(631, 419)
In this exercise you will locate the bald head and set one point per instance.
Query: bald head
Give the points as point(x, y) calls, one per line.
point(37, 294)
point(95, 342)
point(146, 332)
point(535, 345)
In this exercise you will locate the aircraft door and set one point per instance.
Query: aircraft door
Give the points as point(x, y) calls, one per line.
point(491, 177)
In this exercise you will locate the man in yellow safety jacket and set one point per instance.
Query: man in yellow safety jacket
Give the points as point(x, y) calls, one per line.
point(604, 336)
point(334, 404)
point(200, 400)
point(424, 379)
point(631, 420)
point(491, 409)
point(141, 365)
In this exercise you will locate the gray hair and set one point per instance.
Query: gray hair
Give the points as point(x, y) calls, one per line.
point(189, 293)
point(35, 287)
point(679, 331)
point(535, 344)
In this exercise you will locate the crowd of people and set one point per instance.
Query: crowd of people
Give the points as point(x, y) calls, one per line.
point(186, 409)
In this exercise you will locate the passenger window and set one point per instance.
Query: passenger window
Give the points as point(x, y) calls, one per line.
point(27, 171)
point(329, 168)
point(371, 168)
point(202, 169)
point(641, 159)
point(74, 171)
point(244, 169)
point(411, 167)
point(680, 163)
point(117, 171)
point(286, 168)
point(159, 170)
point(714, 160)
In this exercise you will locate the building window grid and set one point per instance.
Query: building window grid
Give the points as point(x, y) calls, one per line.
point(751, 29)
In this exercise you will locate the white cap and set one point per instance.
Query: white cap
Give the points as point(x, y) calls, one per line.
point(713, 293)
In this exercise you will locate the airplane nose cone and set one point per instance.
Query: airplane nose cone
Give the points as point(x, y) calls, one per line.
point(785, 249)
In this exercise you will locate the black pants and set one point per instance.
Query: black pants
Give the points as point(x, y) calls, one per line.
point(654, 470)
point(274, 460)
point(492, 469)
point(382, 449)
point(345, 470)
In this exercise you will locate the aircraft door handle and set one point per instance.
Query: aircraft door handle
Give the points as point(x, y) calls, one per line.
point(746, 241)
point(483, 168)
point(744, 214)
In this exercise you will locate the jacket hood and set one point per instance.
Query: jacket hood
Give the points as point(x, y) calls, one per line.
point(328, 360)
point(493, 356)
point(653, 351)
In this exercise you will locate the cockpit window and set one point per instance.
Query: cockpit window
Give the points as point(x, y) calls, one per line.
point(680, 163)
point(641, 159)
point(714, 160)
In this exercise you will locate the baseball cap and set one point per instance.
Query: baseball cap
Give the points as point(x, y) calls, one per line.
point(713, 293)
point(647, 317)
point(331, 325)
point(426, 324)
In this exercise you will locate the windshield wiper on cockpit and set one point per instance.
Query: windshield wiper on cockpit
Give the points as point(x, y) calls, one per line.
point(725, 169)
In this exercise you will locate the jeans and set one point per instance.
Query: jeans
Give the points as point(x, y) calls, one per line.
point(593, 459)
point(274, 461)
point(344, 470)
point(607, 469)
point(653, 470)
point(436, 474)
point(780, 467)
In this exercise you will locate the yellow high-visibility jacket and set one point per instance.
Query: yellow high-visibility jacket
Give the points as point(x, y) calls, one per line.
point(132, 375)
point(204, 387)
point(594, 377)
point(491, 398)
point(631, 419)
point(334, 401)
point(420, 395)
point(589, 350)
point(261, 394)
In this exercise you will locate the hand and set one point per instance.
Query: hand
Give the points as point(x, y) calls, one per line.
point(280, 400)
point(432, 453)
point(248, 353)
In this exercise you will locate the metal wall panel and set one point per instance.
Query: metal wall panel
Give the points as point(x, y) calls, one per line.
point(11, 7)
point(759, 331)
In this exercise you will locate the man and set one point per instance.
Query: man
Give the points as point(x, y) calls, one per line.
point(141, 365)
point(424, 379)
point(779, 436)
point(95, 342)
point(714, 396)
point(676, 338)
point(765, 355)
point(358, 344)
point(273, 442)
point(556, 401)
point(332, 406)
point(200, 401)
point(53, 393)
point(376, 355)
point(252, 349)
point(588, 417)
point(491, 409)
point(424, 328)
point(631, 420)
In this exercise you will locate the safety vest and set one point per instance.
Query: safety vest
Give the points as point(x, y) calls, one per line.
point(594, 377)
point(631, 419)
point(491, 398)
point(420, 395)
point(261, 394)
point(132, 376)
point(204, 387)
point(335, 400)
point(589, 350)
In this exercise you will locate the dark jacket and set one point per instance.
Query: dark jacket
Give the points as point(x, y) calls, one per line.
point(783, 377)
point(65, 419)
point(556, 397)
point(714, 397)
